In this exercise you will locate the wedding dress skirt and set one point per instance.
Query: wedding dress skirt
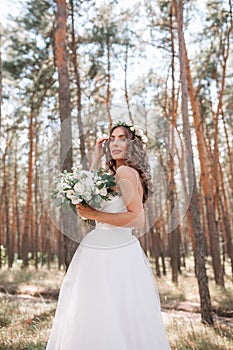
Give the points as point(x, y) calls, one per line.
point(108, 299)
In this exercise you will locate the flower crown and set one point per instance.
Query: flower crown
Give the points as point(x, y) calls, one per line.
point(136, 131)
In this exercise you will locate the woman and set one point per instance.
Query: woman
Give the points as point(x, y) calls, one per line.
point(108, 299)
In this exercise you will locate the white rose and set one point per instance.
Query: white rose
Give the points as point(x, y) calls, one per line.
point(87, 196)
point(75, 200)
point(103, 191)
point(69, 194)
point(67, 185)
point(89, 182)
point(97, 191)
point(79, 187)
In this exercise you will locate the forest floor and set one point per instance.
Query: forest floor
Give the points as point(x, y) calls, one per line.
point(28, 301)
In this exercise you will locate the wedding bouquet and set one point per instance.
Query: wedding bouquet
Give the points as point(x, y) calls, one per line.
point(82, 186)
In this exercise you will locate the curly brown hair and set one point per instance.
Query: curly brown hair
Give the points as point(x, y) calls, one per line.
point(136, 157)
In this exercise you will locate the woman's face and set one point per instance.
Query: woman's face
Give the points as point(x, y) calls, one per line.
point(118, 144)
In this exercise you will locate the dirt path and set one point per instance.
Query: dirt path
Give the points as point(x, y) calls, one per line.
point(172, 311)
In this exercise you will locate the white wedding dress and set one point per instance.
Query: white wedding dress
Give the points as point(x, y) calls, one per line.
point(108, 299)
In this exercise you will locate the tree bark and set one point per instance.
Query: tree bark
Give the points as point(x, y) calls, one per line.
point(0, 83)
point(6, 188)
point(66, 160)
point(175, 234)
point(194, 208)
point(79, 92)
point(125, 82)
point(27, 217)
point(205, 179)
point(108, 97)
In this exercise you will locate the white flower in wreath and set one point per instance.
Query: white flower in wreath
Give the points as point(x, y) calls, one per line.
point(140, 132)
point(144, 139)
point(132, 128)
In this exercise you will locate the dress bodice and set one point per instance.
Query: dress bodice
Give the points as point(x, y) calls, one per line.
point(114, 205)
point(107, 235)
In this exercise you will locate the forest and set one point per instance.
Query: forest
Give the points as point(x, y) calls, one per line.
point(71, 69)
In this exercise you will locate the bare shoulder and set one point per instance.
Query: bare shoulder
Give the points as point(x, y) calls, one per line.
point(125, 172)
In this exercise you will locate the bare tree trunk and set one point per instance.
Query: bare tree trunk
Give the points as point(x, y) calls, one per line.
point(15, 200)
point(125, 81)
point(1, 228)
point(174, 239)
point(224, 48)
point(6, 188)
point(194, 208)
point(226, 220)
point(27, 218)
point(206, 179)
point(18, 239)
point(36, 215)
point(230, 156)
point(0, 83)
point(108, 98)
point(66, 160)
point(79, 91)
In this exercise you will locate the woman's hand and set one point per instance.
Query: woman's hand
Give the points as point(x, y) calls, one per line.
point(86, 212)
point(100, 147)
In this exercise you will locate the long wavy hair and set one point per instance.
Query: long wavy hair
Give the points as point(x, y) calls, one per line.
point(135, 157)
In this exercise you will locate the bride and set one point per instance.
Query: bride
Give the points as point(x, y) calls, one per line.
point(109, 299)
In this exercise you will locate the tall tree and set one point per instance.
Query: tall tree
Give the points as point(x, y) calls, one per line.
point(0, 81)
point(199, 251)
point(66, 158)
point(28, 217)
point(78, 88)
point(206, 178)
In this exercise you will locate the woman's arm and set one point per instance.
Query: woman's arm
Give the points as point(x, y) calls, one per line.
point(134, 217)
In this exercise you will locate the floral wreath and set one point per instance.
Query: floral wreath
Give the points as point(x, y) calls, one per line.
point(136, 131)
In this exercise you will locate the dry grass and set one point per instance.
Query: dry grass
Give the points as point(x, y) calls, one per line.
point(25, 320)
point(26, 316)
point(182, 317)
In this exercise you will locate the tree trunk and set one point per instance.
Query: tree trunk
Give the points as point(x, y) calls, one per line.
point(6, 188)
point(205, 178)
point(194, 209)
point(14, 204)
point(174, 235)
point(226, 219)
point(27, 217)
point(66, 160)
point(224, 48)
point(125, 81)
point(36, 215)
point(0, 83)
point(79, 92)
point(108, 98)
